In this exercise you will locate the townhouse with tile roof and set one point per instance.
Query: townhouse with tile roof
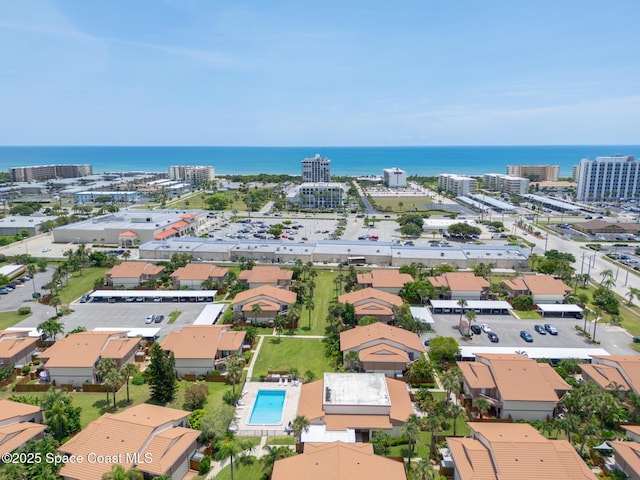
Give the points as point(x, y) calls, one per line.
point(260, 276)
point(192, 275)
point(273, 301)
point(613, 372)
point(19, 423)
point(386, 280)
point(374, 302)
point(16, 347)
point(132, 274)
point(457, 285)
point(542, 288)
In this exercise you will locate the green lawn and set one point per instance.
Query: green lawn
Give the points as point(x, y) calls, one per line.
point(529, 315)
point(424, 439)
point(9, 319)
point(80, 283)
point(402, 204)
point(281, 441)
point(303, 354)
point(322, 296)
point(242, 472)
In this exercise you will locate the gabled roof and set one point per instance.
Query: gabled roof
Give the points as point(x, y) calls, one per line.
point(267, 275)
point(134, 270)
point(515, 451)
point(128, 233)
point(629, 453)
point(539, 285)
point(627, 365)
point(14, 342)
point(604, 375)
point(459, 281)
point(86, 348)
point(360, 296)
point(278, 294)
point(338, 461)
point(199, 271)
point(10, 409)
point(265, 305)
point(384, 278)
point(169, 232)
point(353, 338)
point(383, 353)
point(17, 434)
point(373, 308)
point(202, 341)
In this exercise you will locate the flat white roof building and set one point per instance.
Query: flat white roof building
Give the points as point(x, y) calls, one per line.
point(457, 184)
point(394, 177)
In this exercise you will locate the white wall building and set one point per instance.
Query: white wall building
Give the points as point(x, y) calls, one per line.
point(317, 195)
point(316, 169)
point(608, 178)
point(505, 183)
point(116, 197)
point(456, 184)
point(394, 177)
point(192, 174)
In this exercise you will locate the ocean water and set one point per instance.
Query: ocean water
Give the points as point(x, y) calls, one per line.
point(344, 160)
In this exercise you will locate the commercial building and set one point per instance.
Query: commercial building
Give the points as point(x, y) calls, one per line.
point(314, 196)
point(456, 184)
point(114, 197)
point(535, 173)
point(608, 178)
point(47, 172)
point(505, 183)
point(316, 169)
point(17, 224)
point(196, 175)
point(394, 177)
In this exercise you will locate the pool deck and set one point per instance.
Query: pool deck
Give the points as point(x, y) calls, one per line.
point(243, 412)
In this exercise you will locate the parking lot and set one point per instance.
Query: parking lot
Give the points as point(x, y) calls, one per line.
point(613, 339)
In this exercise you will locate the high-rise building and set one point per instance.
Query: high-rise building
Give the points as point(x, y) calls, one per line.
point(457, 184)
point(49, 172)
point(608, 178)
point(535, 173)
point(316, 169)
point(394, 177)
point(196, 175)
point(505, 183)
point(314, 196)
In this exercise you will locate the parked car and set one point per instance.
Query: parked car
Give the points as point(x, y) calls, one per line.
point(84, 298)
point(159, 318)
point(485, 327)
point(526, 336)
point(540, 329)
point(551, 329)
point(476, 329)
point(150, 319)
point(4, 291)
point(493, 337)
point(579, 315)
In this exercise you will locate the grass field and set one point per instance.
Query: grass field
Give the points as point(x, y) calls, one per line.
point(281, 441)
point(529, 315)
point(9, 319)
point(303, 354)
point(80, 283)
point(322, 296)
point(242, 472)
point(424, 439)
point(402, 204)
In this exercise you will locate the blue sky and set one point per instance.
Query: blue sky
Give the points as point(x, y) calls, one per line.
point(206, 72)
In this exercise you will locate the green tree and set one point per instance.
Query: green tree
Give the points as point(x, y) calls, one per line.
point(162, 377)
point(230, 447)
point(113, 381)
point(256, 310)
point(118, 472)
point(482, 405)
point(381, 442)
point(298, 425)
point(451, 381)
point(443, 350)
point(127, 371)
point(309, 305)
point(351, 360)
point(279, 325)
point(218, 201)
point(462, 303)
point(411, 430)
point(51, 328)
point(104, 366)
point(273, 454)
point(235, 367)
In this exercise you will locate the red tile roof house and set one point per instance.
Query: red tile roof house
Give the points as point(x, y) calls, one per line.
point(627, 453)
point(16, 347)
point(387, 280)
point(273, 276)
point(72, 360)
point(543, 288)
point(515, 386)
point(199, 349)
point(370, 301)
point(620, 372)
point(192, 275)
point(19, 423)
point(132, 274)
point(496, 451)
point(457, 285)
point(362, 402)
point(382, 348)
point(272, 301)
point(154, 439)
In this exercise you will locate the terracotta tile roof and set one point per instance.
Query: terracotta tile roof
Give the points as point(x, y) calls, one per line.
point(343, 422)
point(86, 348)
point(383, 353)
point(266, 275)
point(199, 271)
point(202, 341)
point(363, 296)
point(515, 451)
point(12, 343)
point(134, 270)
point(17, 434)
point(310, 402)
point(353, 338)
point(166, 447)
point(387, 278)
point(635, 429)
point(477, 375)
point(128, 233)
point(460, 281)
point(133, 431)
point(268, 291)
point(10, 409)
point(373, 308)
point(188, 215)
point(401, 407)
point(169, 232)
point(604, 375)
point(629, 453)
point(516, 284)
point(338, 461)
point(539, 285)
point(265, 306)
point(627, 365)
point(180, 224)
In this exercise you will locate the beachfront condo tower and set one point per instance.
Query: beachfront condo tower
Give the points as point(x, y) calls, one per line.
point(316, 169)
point(608, 178)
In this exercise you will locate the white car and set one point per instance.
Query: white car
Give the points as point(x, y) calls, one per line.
point(485, 327)
point(150, 319)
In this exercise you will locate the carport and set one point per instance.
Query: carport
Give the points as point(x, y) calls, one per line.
point(554, 354)
point(423, 315)
point(148, 333)
point(486, 307)
point(210, 314)
point(154, 295)
point(561, 308)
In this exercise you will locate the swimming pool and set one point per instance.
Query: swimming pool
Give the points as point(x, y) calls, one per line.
point(267, 409)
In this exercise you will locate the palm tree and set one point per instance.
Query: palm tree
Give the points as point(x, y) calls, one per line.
point(230, 447)
point(51, 328)
point(118, 472)
point(31, 270)
point(607, 279)
point(451, 381)
point(633, 293)
point(457, 411)
point(411, 430)
point(298, 425)
point(112, 381)
point(272, 456)
point(104, 366)
point(352, 358)
point(235, 365)
point(309, 306)
point(256, 310)
point(55, 302)
point(483, 406)
point(461, 303)
point(279, 324)
point(57, 419)
point(471, 317)
point(127, 371)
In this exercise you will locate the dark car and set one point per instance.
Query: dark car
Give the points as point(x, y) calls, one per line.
point(476, 329)
point(526, 336)
point(551, 329)
point(540, 329)
point(493, 337)
point(579, 315)
point(159, 318)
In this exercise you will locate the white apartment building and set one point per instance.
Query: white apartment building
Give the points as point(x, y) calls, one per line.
point(394, 178)
point(535, 173)
point(505, 183)
point(456, 184)
point(316, 169)
point(608, 178)
point(195, 175)
point(312, 196)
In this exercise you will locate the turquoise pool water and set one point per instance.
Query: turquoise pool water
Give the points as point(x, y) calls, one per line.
point(267, 409)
